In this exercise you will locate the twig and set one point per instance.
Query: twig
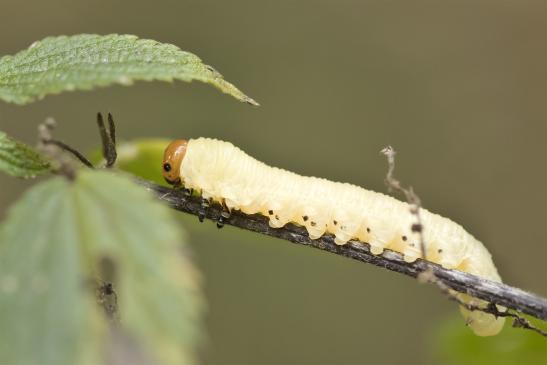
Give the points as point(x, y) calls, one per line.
point(411, 197)
point(69, 149)
point(492, 292)
point(429, 276)
point(53, 149)
point(518, 321)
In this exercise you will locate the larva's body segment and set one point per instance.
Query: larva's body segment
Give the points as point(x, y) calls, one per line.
point(224, 173)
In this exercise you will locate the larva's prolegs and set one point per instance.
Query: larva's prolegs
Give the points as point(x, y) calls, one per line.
point(225, 174)
point(224, 215)
point(205, 204)
point(376, 250)
point(312, 220)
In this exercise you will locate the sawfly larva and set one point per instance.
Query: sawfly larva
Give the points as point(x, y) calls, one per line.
point(223, 173)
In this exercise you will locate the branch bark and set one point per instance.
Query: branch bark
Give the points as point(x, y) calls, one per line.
point(492, 292)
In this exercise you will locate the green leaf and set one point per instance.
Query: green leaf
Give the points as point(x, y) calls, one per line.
point(45, 316)
point(57, 240)
point(85, 61)
point(141, 157)
point(18, 159)
point(457, 345)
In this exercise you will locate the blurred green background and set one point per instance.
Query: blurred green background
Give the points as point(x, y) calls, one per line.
point(457, 87)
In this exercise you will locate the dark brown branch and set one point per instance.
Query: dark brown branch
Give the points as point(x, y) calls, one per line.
point(492, 292)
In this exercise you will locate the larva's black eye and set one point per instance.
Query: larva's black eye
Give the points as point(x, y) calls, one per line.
point(172, 161)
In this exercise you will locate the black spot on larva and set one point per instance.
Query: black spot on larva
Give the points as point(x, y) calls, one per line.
point(404, 238)
point(313, 224)
point(440, 250)
point(416, 227)
point(368, 230)
point(305, 218)
point(276, 216)
point(335, 222)
point(270, 212)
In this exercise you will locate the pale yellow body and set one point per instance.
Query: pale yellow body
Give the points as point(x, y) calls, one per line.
point(226, 174)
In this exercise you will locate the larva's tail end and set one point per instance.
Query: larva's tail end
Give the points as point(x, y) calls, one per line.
point(483, 324)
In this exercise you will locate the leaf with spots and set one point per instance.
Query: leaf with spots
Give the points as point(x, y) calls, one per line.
point(60, 240)
point(86, 61)
point(19, 160)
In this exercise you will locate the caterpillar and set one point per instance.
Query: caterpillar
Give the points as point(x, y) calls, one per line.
point(223, 173)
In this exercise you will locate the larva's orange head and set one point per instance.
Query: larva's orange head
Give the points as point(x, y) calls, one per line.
point(172, 160)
